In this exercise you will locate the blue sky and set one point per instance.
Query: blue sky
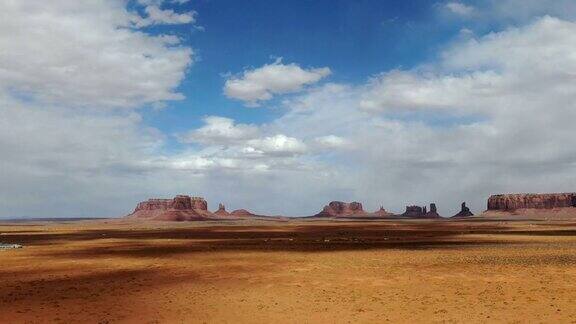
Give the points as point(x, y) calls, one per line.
point(356, 39)
point(282, 106)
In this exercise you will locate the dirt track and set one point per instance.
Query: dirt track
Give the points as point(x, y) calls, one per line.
point(293, 272)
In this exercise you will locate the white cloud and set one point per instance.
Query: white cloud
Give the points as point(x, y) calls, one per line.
point(261, 84)
point(330, 142)
point(220, 131)
point(405, 91)
point(494, 114)
point(57, 162)
point(66, 147)
point(157, 16)
point(277, 145)
point(504, 12)
point(526, 10)
point(460, 8)
point(89, 56)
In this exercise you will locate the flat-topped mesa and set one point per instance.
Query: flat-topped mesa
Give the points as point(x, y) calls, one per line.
point(511, 202)
point(242, 213)
point(179, 208)
point(180, 202)
point(342, 209)
point(199, 203)
point(464, 212)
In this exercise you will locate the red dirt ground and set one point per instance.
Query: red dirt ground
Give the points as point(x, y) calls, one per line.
point(470, 271)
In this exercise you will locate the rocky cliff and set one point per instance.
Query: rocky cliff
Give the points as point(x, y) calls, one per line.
point(353, 209)
point(464, 212)
point(185, 208)
point(433, 212)
point(414, 211)
point(421, 212)
point(179, 208)
point(342, 209)
point(221, 211)
point(180, 202)
point(242, 213)
point(383, 212)
point(511, 202)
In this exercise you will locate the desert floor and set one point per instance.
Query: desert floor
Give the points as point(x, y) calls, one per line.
point(289, 272)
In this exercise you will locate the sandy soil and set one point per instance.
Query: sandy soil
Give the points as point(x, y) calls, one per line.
point(289, 272)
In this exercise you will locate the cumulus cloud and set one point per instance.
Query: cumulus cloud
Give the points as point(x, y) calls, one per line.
point(240, 141)
point(157, 16)
point(72, 73)
point(88, 55)
point(330, 142)
point(410, 90)
point(493, 114)
point(58, 162)
point(220, 131)
point(460, 8)
point(277, 145)
point(504, 12)
point(526, 10)
point(261, 84)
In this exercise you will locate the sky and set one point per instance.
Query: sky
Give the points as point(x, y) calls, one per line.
point(280, 107)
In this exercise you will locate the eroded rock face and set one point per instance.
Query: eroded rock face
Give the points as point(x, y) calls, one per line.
point(421, 212)
point(180, 202)
point(221, 211)
point(464, 212)
point(414, 211)
point(342, 209)
point(199, 203)
point(511, 202)
point(242, 213)
point(433, 213)
point(383, 212)
point(179, 208)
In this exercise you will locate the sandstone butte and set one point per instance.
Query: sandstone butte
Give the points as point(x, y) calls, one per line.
point(186, 208)
point(421, 212)
point(353, 209)
point(182, 208)
point(242, 213)
point(464, 212)
point(512, 202)
point(221, 211)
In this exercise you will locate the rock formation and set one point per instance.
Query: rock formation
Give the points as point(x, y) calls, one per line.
point(354, 209)
point(413, 211)
point(342, 209)
point(421, 212)
point(185, 208)
point(242, 213)
point(179, 208)
point(433, 213)
point(464, 212)
point(221, 211)
point(180, 202)
point(383, 212)
point(511, 202)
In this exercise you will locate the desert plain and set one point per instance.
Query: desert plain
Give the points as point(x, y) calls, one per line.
point(292, 271)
